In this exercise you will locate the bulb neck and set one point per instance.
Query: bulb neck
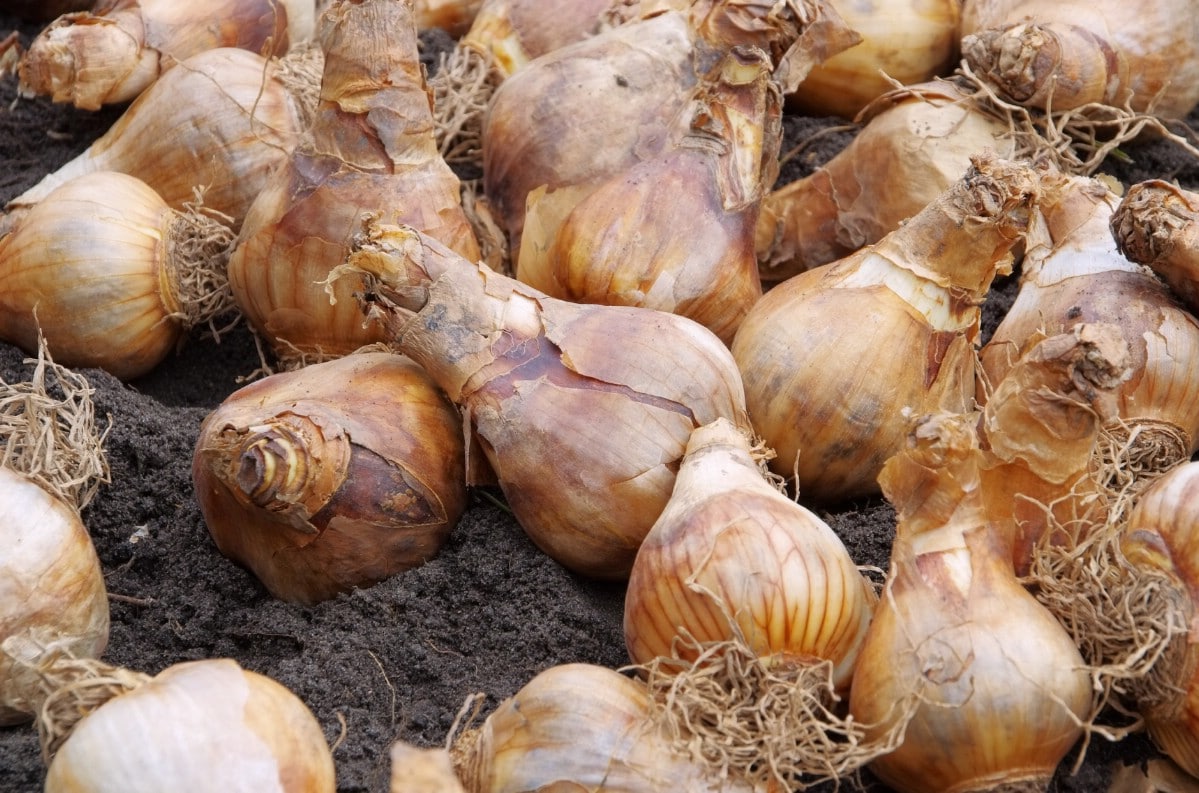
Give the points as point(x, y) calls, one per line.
point(965, 237)
point(375, 112)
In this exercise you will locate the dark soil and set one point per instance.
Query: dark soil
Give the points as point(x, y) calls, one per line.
point(395, 661)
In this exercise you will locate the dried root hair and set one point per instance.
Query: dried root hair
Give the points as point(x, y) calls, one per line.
point(1131, 624)
point(199, 244)
point(301, 71)
point(758, 719)
point(462, 87)
point(1075, 141)
point(1131, 453)
point(48, 431)
point(68, 688)
point(762, 453)
point(289, 357)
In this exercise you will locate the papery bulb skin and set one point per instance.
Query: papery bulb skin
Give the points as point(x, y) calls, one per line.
point(1065, 55)
point(908, 41)
point(729, 543)
point(629, 83)
point(574, 117)
point(692, 255)
point(333, 476)
point(416, 769)
point(371, 150)
point(51, 585)
point(1041, 430)
point(96, 268)
point(581, 727)
point(115, 51)
point(832, 357)
point(1157, 224)
point(197, 727)
point(583, 411)
point(1073, 273)
point(502, 37)
point(915, 142)
point(1161, 537)
point(223, 121)
point(997, 685)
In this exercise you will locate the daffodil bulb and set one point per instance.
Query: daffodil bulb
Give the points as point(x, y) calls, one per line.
point(1073, 273)
point(828, 393)
point(333, 476)
point(206, 726)
point(224, 119)
point(113, 52)
point(693, 255)
point(580, 727)
point(51, 584)
point(1160, 547)
point(1068, 55)
point(573, 118)
point(734, 566)
point(502, 37)
point(903, 41)
point(1156, 224)
point(583, 411)
point(731, 548)
point(1042, 433)
point(991, 691)
point(111, 275)
point(371, 150)
point(914, 143)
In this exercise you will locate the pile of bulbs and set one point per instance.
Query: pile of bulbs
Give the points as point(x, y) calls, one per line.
point(561, 267)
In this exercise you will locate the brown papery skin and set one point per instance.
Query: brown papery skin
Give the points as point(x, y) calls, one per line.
point(1073, 273)
point(51, 586)
point(221, 120)
point(1040, 428)
point(583, 411)
point(581, 727)
point(916, 142)
point(907, 41)
point(89, 267)
point(693, 254)
point(209, 721)
point(1161, 537)
point(832, 356)
point(333, 476)
point(371, 151)
point(730, 545)
point(116, 50)
point(1063, 55)
point(573, 118)
point(999, 686)
point(583, 112)
point(1157, 224)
